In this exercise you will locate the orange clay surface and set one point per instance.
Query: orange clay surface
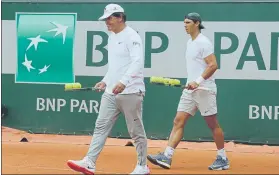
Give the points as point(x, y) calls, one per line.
point(48, 154)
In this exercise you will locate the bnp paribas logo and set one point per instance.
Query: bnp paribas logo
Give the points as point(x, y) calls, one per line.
point(45, 45)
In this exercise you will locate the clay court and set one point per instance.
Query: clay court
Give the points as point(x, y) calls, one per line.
point(47, 154)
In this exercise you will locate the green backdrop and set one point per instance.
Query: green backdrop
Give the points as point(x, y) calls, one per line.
point(235, 96)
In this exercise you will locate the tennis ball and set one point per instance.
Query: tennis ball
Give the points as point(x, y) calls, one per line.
point(68, 86)
point(157, 80)
point(161, 79)
point(172, 82)
point(76, 85)
point(152, 79)
point(167, 81)
point(176, 82)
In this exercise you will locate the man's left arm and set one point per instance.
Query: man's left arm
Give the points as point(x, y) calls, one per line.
point(210, 60)
point(136, 55)
point(211, 67)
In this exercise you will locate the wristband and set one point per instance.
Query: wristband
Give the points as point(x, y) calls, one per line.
point(200, 80)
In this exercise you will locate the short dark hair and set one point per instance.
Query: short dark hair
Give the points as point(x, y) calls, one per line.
point(200, 27)
point(195, 17)
point(120, 15)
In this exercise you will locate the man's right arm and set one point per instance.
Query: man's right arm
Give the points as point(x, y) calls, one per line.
point(102, 84)
point(105, 79)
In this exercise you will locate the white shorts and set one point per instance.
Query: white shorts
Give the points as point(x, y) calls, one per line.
point(202, 100)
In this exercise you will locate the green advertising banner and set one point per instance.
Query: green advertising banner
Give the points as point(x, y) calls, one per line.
point(64, 42)
point(45, 45)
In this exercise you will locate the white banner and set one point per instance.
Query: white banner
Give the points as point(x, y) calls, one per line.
point(259, 38)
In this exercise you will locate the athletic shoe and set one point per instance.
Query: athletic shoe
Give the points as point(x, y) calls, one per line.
point(84, 166)
point(160, 159)
point(141, 170)
point(220, 164)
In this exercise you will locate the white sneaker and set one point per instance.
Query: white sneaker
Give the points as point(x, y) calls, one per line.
point(84, 166)
point(141, 170)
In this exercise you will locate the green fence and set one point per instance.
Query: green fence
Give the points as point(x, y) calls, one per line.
point(245, 36)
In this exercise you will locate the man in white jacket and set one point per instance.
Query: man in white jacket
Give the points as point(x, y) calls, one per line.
point(124, 92)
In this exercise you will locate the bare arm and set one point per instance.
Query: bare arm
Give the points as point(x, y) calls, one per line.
point(210, 60)
point(208, 72)
point(211, 66)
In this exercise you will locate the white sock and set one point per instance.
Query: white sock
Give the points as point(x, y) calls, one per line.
point(169, 152)
point(222, 153)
